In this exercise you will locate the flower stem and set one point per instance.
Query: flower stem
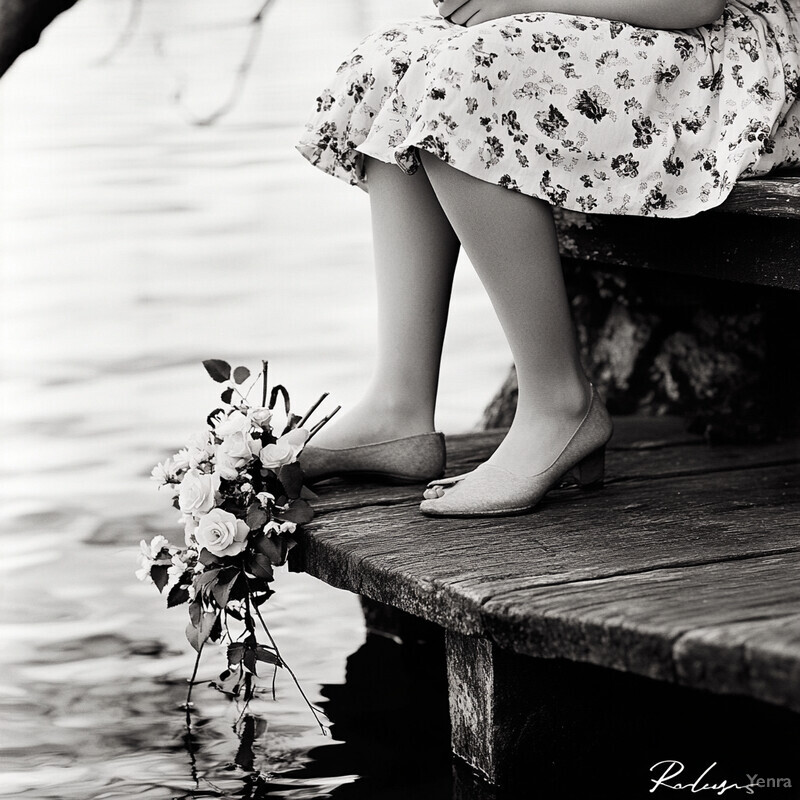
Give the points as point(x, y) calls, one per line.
point(191, 685)
point(322, 423)
point(264, 369)
point(313, 710)
point(311, 411)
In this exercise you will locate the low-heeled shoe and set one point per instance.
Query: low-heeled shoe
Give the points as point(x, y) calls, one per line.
point(410, 459)
point(493, 491)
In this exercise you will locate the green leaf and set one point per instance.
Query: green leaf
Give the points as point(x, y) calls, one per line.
point(268, 656)
point(207, 558)
point(241, 374)
point(158, 572)
point(235, 654)
point(260, 599)
point(219, 370)
point(195, 611)
point(206, 580)
point(227, 396)
point(299, 512)
point(249, 659)
point(291, 422)
point(307, 494)
point(198, 634)
point(256, 517)
point(212, 417)
point(274, 548)
point(215, 634)
point(259, 565)
point(177, 594)
point(222, 589)
point(291, 478)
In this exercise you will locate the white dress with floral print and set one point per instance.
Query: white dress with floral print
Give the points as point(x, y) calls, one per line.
point(586, 113)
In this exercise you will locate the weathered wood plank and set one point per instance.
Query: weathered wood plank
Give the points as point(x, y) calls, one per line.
point(773, 196)
point(451, 574)
point(444, 571)
point(747, 248)
point(756, 656)
point(673, 624)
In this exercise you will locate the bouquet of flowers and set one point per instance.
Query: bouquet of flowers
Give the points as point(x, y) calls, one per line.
point(240, 493)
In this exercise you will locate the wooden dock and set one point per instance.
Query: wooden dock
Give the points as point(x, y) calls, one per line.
point(675, 587)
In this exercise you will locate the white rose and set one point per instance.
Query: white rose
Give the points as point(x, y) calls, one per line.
point(225, 467)
point(201, 448)
point(236, 422)
point(259, 416)
point(240, 446)
point(197, 494)
point(285, 450)
point(221, 533)
point(235, 452)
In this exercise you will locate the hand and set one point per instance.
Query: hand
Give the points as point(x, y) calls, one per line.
point(472, 12)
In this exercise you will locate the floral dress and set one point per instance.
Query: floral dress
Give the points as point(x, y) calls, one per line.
point(588, 114)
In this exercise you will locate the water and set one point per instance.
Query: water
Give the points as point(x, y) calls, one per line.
point(133, 245)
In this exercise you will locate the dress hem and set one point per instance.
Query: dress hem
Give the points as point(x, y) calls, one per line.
point(306, 149)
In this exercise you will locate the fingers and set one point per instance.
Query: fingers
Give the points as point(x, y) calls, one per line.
point(466, 11)
point(447, 7)
point(481, 16)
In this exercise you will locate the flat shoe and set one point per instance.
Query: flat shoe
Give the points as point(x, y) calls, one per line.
point(410, 459)
point(490, 491)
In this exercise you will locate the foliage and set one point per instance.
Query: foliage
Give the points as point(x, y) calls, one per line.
point(239, 488)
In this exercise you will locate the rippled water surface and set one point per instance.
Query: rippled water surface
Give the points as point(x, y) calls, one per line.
point(133, 245)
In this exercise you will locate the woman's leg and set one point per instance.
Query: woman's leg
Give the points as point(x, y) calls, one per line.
point(511, 241)
point(415, 257)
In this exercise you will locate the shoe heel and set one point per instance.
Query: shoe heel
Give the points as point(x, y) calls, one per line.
point(590, 472)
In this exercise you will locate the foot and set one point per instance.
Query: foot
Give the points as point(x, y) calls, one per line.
point(370, 423)
point(537, 436)
point(517, 483)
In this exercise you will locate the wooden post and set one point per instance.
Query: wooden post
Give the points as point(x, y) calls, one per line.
point(555, 728)
point(488, 708)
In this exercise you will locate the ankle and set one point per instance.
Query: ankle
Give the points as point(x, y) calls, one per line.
point(398, 415)
point(567, 402)
point(370, 422)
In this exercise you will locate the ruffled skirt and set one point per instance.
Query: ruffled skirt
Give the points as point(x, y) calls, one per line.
point(587, 114)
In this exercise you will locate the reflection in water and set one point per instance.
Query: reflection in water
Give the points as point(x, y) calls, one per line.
point(389, 733)
point(392, 716)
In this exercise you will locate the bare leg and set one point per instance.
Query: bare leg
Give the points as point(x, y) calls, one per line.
point(510, 239)
point(415, 257)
